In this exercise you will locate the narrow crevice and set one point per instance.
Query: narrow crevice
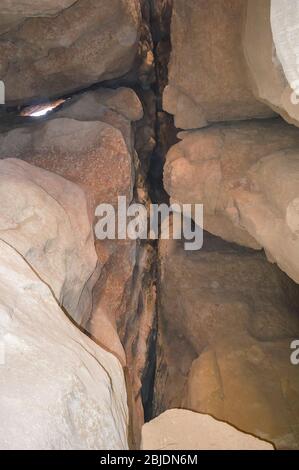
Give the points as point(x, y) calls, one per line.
point(148, 378)
point(165, 132)
point(159, 18)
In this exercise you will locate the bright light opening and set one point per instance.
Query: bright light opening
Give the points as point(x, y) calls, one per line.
point(40, 110)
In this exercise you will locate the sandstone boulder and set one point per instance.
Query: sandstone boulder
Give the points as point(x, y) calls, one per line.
point(269, 42)
point(96, 105)
point(44, 218)
point(185, 430)
point(208, 79)
point(53, 48)
point(246, 176)
point(227, 318)
point(59, 390)
point(15, 11)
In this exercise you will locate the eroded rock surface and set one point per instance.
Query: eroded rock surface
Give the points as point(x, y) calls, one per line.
point(226, 321)
point(208, 79)
point(44, 218)
point(269, 44)
point(84, 148)
point(48, 50)
point(247, 177)
point(186, 430)
point(90, 141)
point(59, 390)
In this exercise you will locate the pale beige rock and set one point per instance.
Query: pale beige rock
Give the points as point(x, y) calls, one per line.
point(28, 8)
point(269, 45)
point(93, 147)
point(59, 390)
point(227, 318)
point(44, 217)
point(84, 42)
point(208, 79)
point(91, 153)
point(246, 176)
point(185, 430)
point(90, 141)
point(95, 105)
point(15, 11)
point(95, 156)
point(268, 208)
point(284, 24)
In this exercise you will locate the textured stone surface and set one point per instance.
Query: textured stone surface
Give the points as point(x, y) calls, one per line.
point(54, 235)
point(284, 24)
point(226, 321)
point(15, 11)
point(99, 157)
point(28, 8)
point(90, 141)
point(207, 73)
point(59, 145)
point(186, 430)
point(269, 44)
point(59, 390)
point(79, 44)
point(90, 152)
point(98, 105)
point(246, 175)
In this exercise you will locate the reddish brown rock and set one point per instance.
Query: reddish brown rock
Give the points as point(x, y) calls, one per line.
point(90, 141)
point(246, 176)
point(208, 79)
point(227, 318)
point(49, 51)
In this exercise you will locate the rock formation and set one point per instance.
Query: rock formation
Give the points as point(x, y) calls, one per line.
point(226, 321)
point(50, 49)
point(247, 177)
point(185, 430)
point(208, 78)
point(59, 390)
point(40, 220)
point(271, 57)
point(90, 141)
point(100, 96)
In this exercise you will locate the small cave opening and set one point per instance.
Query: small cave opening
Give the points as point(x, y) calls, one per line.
point(41, 110)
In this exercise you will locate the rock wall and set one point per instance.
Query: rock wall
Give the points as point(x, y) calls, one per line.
point(59, 390)
point(51, 50)
point(208, 80)
point(48, 50)
point(51, 53)
point(90, 141)
point(227, 314)
point(246, 175)
point(124, 77)
point(226, 321)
